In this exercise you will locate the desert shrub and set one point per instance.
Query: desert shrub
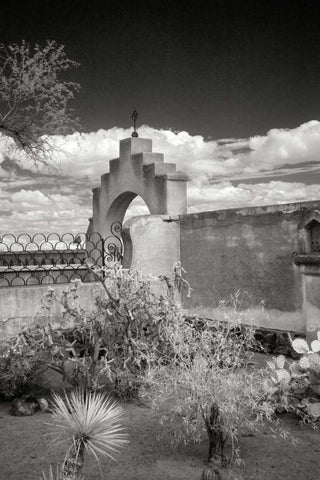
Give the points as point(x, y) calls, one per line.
point(21, 362)
point(130, 330)
point(225, 344)
point(207, 385)
point(121, 338)
point(224, 403)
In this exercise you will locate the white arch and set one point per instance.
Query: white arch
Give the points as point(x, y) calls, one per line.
point(138, 171)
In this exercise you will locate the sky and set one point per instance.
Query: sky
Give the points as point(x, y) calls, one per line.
point(229, 90)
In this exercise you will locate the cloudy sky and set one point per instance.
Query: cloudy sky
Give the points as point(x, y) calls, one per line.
point(229, 90)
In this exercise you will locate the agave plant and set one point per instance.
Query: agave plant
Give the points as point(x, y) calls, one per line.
point(88, 421)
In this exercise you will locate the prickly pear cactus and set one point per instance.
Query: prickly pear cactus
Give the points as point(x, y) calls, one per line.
point(309, 364)
point(301, 346)
point(279, 374)
point(310, 360)
point(295, 386)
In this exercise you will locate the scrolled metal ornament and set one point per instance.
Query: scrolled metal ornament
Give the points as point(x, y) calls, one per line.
point(113, 245)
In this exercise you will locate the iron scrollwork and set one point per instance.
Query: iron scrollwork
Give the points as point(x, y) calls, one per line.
point(56, 258)
point(113, 245)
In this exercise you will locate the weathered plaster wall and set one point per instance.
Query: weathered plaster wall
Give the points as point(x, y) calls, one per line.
point(311, 294)
point(248, 249)
point(20, 305)
point(311, 304)
point(152, 244)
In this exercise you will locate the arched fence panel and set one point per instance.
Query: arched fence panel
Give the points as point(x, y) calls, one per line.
point(41, 259)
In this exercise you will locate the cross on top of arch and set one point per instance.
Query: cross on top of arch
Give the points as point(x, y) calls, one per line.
point(138, 171)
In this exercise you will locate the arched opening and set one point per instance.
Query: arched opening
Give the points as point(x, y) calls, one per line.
point(136, 208)
point(309, 233)
point(123, 208)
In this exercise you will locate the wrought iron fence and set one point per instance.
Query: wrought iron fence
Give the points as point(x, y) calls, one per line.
point(56, 258)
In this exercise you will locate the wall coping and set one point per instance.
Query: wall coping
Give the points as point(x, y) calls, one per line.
point(286, 208)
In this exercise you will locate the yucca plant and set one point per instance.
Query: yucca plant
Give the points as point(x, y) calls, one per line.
point(54, 474)
point(87, 421)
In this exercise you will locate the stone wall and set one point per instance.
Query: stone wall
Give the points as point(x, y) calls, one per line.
point(247, 249)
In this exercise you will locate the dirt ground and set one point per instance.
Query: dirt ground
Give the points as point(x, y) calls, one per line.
point(26, 449)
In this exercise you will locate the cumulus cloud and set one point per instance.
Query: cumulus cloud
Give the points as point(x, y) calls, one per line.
point(225, 195)
point(33, 196)
point(33, 211)
point(287, 147)
point(87, 154)
point(218, 196)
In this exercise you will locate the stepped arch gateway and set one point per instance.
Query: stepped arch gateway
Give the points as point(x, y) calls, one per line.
point(137, 171)
point(140, 172)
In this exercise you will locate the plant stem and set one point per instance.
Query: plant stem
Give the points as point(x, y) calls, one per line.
point(73, 462)
point(214, 429)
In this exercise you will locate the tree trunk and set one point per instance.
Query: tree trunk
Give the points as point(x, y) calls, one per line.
point(73, 463)
point(215, 434)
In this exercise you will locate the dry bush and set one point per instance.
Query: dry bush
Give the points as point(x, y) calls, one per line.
point(21, 364)
point(123, 336)
point(206, 385)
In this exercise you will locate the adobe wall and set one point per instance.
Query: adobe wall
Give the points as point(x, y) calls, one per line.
point(152, 244)
point(20, 305)
point(248, 249)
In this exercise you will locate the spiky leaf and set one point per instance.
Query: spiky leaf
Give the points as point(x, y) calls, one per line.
point(91, 419)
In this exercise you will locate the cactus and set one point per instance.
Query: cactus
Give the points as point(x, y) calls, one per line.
point(280, 375)
point(301, 346)
point(310, 360)
point(291, 386)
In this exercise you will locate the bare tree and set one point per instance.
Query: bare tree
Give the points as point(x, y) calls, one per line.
point(34, 96)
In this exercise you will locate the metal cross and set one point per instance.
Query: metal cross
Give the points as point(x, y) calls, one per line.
point(134, 117)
